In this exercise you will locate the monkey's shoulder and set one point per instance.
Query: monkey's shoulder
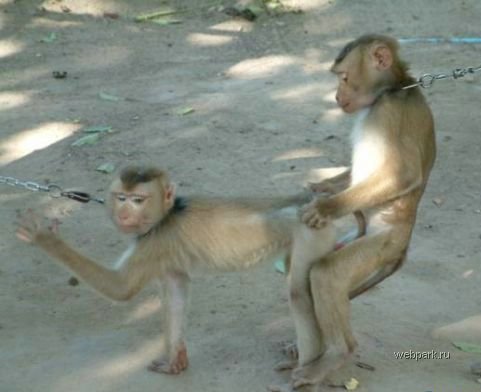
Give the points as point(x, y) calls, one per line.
point(400, 100)
point(242, 205)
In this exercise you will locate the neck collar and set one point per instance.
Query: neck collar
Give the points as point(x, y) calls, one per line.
point(180, 204)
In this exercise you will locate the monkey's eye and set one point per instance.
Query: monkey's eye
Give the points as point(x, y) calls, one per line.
point(138, 199)
point(120, 197)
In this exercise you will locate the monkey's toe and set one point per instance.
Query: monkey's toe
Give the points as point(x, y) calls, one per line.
point(292, 388)
point(286, 365)
point(290, 350)
point(279, 388)
point(164, 367)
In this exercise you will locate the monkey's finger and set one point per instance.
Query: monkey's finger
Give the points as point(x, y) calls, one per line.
point(313, 186)
point(26, 224)
point(29, 220)
point(321, 222)
point(24, 235)
point(319, 187)
point(307, 214)
point(311, 223)
point(54, 225)
point(313, 220)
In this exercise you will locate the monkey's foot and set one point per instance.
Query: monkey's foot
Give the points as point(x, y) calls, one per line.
point(174, 365)
point(290, 351)
point(316, 371)
point(289, 388)
point(286, 365)
point(279, 388)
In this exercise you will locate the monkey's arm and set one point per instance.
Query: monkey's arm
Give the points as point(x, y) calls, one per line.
point(381, 187)
point(332, 185)
point(117, 284)
point(377, 189)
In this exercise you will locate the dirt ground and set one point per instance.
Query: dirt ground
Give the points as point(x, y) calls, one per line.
point(229, 107)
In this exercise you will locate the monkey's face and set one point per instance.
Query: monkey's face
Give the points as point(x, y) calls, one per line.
point(361, 75)
point(353, 92)
point(136, 210)
point(352, 96)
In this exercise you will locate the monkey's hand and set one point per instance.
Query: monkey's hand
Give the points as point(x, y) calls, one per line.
point(34, 229)
point(314, 215)
point(326, 186)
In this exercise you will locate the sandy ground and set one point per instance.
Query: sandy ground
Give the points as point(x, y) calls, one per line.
point(264, 119)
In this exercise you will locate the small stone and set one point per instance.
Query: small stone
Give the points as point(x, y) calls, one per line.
point(476, 368)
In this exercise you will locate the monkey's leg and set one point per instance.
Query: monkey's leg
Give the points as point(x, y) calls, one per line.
point(176, 293)
point(332, 279)
point(309, 337)
point(289, 349)
point(308, 247)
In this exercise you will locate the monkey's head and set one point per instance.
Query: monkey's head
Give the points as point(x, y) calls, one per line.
point(139, 198)
point(364, 68)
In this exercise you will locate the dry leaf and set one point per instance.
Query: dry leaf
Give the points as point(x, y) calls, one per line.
point(49, 38)
point(352, 384)
point(108, 97)
point(156, 14)
point(86, 140)
point(468, 347)
point(184, 111)
point(106, 168)
point(98, 129)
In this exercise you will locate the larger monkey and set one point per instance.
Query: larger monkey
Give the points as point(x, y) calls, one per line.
point(173, 236)
point(393, 151)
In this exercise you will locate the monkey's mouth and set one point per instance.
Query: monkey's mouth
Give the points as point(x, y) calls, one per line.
point(128, 229)
point(345, 107)
point(348, 108)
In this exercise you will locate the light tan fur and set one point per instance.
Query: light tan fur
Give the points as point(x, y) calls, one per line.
point(174, 237)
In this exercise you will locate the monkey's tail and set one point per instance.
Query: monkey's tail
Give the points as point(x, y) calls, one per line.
point(383, 273)
point(361, 230)
point(361, 223)
point(377, 278)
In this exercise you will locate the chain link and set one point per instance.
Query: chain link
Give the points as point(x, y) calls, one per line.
point(54, 190)
point(30, 185)
point(427, 80)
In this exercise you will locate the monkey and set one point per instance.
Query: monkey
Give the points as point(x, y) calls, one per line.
point(393, 152)
point(174, 236)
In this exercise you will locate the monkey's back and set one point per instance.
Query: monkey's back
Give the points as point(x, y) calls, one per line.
point(222, 234)
point(234, 234)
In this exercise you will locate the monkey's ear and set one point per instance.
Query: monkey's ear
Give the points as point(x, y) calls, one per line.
point(381, 56)
point(169, 195)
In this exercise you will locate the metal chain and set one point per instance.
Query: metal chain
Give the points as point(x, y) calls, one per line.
point(427, 80)
point(54, 190)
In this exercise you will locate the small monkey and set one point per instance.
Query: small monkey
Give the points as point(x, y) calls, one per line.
point(173, 236)
point(393, 152)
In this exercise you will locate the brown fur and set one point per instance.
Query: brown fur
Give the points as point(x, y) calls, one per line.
point(393, 153)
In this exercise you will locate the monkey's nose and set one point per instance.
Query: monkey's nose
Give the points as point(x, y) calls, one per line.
point(123, 218)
